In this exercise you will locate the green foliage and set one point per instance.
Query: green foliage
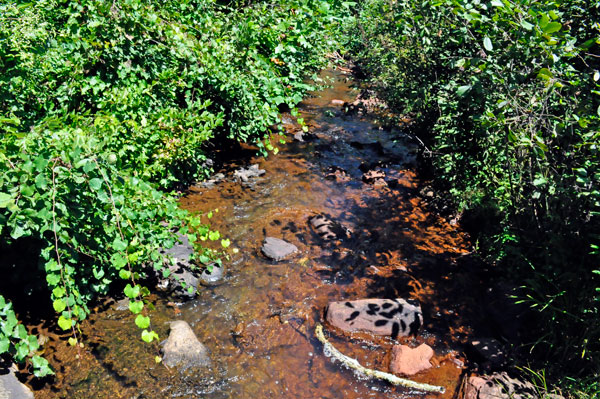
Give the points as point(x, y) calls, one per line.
point(508, 92)
point(15, 340)
point(105, 105)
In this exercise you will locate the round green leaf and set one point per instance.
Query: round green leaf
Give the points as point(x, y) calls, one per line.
point(136, 307)
point(64, 323)
point(142, 321)
point(59, 305)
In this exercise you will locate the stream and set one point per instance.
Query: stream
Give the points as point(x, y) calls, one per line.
point(259, 322)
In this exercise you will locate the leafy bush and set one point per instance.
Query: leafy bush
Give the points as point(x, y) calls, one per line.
point(507, 93)
point(15, 340)
point(105, 105)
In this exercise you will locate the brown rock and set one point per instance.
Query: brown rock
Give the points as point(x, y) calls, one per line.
point(337, 102)
point(498, 386)
point(394, 317)
point(410, 361)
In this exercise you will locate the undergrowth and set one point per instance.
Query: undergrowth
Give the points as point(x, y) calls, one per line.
point(505, 97)
point(106, 106)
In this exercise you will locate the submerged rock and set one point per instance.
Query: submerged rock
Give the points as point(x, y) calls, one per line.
point(213, 276)
point(244, 174)
point(498, 386)
point(393, 317)
point(327, 229)
point(210, 183)
point(277, 249)
point(336, 173)
point(375, 177)
point(410, 361)
point(182, 349)
point(11, 387)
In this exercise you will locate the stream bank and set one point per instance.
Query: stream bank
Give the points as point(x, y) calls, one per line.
point(258, 323)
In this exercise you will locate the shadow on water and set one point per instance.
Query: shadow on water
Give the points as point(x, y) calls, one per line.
point(259, 323)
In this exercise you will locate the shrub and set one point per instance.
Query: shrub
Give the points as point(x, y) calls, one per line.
point(505, 96)
point(106, 105)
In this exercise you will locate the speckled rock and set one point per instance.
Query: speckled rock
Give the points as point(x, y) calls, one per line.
point(393, 317)
point(327, 229)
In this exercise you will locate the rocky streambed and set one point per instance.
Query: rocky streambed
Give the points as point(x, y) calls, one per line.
point(334, 229)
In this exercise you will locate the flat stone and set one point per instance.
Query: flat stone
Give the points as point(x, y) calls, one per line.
point(498, 386)
point(393, 317)
point(337, 102)
point(410, 361)
point(277, 249)
point(182, 349)
point(11, 387)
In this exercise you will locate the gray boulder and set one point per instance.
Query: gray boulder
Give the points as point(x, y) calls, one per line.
point(181, 270)
point(182, 349)
point(277, 249)
point(11, 387)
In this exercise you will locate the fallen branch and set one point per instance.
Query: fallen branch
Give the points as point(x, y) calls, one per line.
point(354, 364)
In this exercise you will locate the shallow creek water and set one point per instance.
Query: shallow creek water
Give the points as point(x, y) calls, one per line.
point(259, 323)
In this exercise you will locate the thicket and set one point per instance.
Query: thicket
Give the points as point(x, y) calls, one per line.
point(505, 96)
point(104, 106)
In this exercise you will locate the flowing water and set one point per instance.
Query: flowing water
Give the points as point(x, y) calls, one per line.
point(259, 322)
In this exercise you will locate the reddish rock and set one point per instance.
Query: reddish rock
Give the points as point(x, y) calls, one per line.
point(410, 361)
point(337, 102)
point(394, 317)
